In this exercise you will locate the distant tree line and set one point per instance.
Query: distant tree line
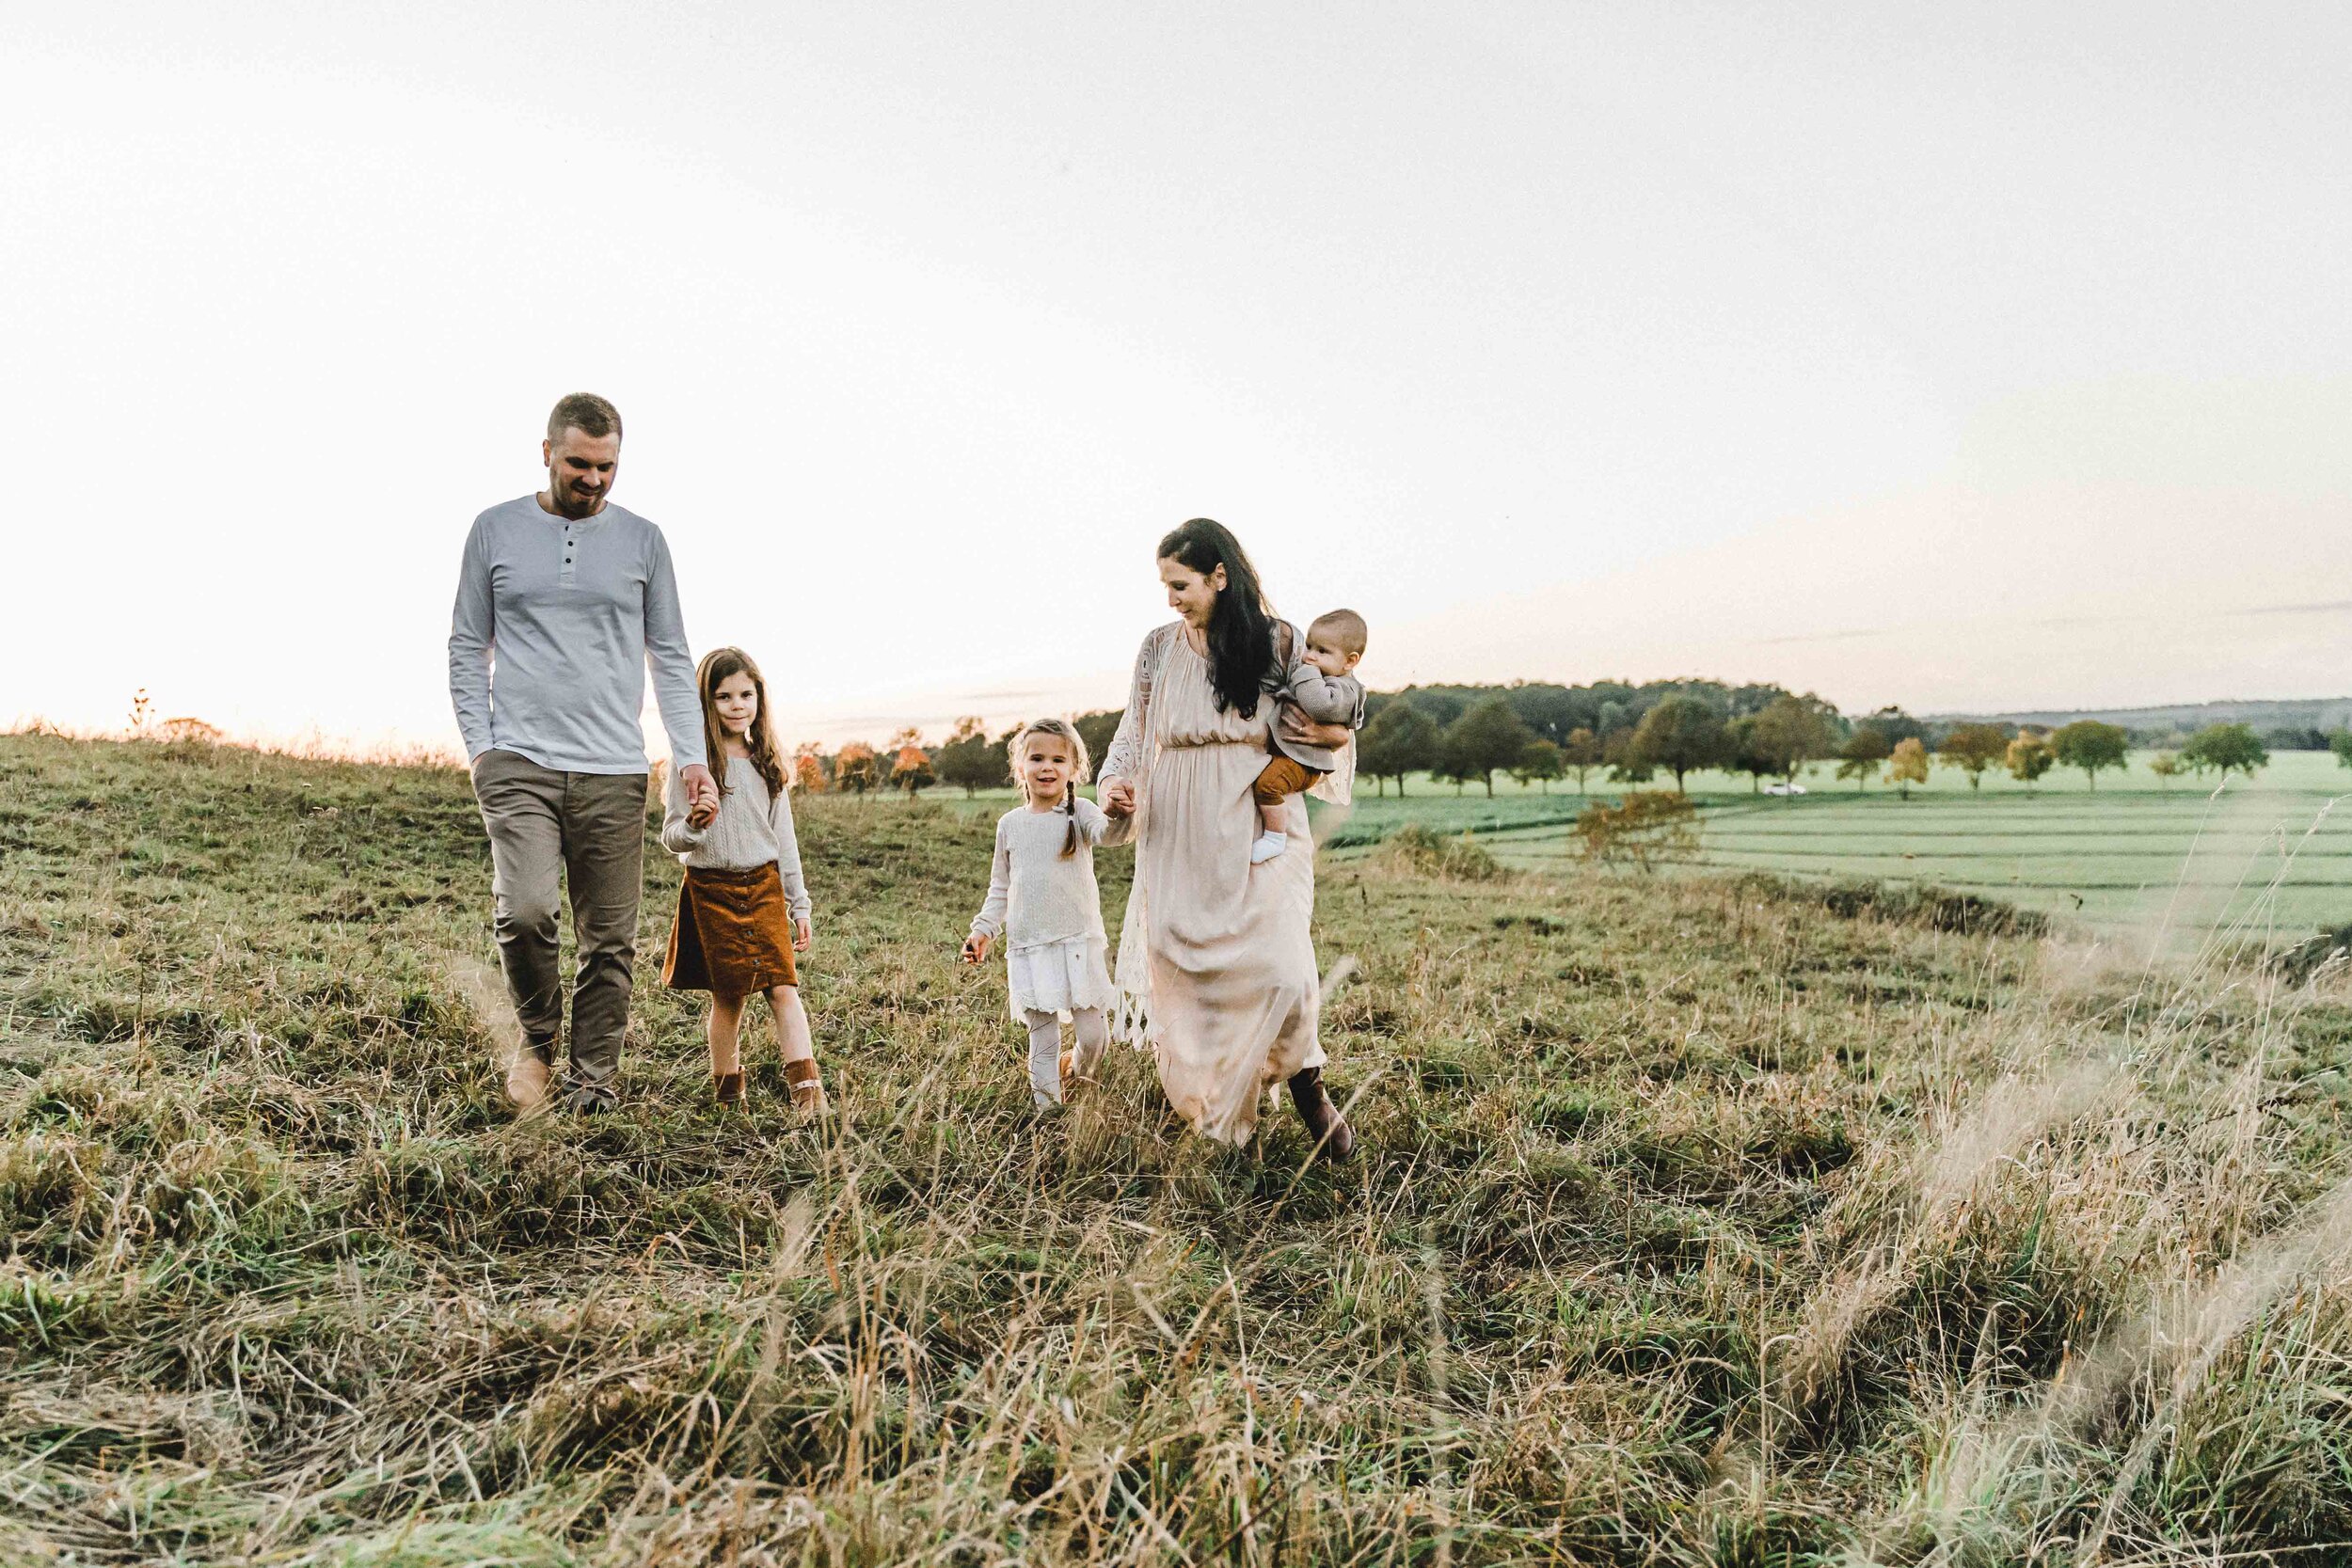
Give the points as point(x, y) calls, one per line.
point(1538, 734)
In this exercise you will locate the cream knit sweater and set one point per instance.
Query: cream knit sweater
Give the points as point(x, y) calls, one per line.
point(751, 830)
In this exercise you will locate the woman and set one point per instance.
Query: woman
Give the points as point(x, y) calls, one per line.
point(1216, 968)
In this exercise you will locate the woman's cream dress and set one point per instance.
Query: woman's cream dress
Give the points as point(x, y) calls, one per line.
point(1217, 967)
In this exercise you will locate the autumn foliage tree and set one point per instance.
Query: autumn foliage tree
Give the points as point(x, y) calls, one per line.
point(910, 765)
point(1908, 765)
point(855, 768)
point(808, 769)
point(2028, 757)
point(1974, 748)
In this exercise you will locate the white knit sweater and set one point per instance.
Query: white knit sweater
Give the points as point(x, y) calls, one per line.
point(751, 830)
point(1036, 896)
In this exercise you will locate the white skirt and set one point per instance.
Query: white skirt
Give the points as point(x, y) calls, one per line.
point(1058, 976)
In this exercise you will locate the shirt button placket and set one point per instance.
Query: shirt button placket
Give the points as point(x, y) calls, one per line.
point(570, 543)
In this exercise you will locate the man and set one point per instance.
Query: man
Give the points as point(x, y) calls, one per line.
point(562, 600)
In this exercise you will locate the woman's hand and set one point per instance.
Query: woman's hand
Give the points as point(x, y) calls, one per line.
point(802, 934)
point(975, 949)
point(1329, 736)
point(1116, 796)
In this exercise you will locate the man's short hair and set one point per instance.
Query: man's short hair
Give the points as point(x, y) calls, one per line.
point(1344, 628)
point(585, 412)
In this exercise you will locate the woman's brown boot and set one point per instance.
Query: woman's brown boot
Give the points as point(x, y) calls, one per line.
point(808, 1094)
point(727, 1087)
point(1324, 1125)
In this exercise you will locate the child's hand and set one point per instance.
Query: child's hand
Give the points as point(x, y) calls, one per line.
point(975, 950)
point(702, 815)
point(802, 934)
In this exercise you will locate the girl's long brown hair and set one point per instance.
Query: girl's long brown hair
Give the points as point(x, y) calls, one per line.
point(760, 740)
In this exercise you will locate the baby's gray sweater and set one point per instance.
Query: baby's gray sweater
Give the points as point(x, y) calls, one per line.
point(1326, 699)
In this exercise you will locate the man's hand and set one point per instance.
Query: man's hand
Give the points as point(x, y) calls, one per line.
point(975, 950)
point(1116, 796)
point(702, 795)
point(801, 935)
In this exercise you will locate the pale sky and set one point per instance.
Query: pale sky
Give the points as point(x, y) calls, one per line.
point(1960, 356)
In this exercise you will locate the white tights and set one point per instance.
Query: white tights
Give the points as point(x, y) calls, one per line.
point(1045, 1048)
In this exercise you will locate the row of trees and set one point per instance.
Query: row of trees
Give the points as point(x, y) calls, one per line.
point(1682, 728)
point(1553, 711)
point(969, 759)
point(858, 767)
point(1682, 735)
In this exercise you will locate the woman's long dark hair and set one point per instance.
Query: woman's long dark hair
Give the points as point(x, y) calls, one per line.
point(1241, 627)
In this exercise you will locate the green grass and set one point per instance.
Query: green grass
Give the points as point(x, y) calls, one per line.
point(1699, 1221)
point(2269, 853)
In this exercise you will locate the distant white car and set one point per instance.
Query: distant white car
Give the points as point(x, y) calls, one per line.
point(1784, 789)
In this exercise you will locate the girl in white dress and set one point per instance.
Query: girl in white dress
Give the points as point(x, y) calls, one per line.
point(1043, 900)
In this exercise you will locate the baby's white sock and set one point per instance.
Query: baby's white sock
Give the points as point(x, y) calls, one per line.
point(1267, 846)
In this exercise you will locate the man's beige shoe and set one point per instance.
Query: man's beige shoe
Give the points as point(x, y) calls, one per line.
point(527, 1081)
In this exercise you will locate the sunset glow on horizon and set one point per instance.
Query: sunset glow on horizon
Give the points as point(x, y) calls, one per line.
point(1566, 344)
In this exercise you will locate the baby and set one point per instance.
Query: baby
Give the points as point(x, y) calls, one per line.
point(1322, 686)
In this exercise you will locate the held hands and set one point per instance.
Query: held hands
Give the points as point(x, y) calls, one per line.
point(702, 795)
point(1117, 796)
point(975, 949)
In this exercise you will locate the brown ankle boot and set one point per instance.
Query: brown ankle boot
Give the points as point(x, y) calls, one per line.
point(1334, 1139)
point(808, 1092)
point(727, 1087)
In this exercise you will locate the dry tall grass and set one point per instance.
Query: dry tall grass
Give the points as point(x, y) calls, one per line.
point(1699, 1223)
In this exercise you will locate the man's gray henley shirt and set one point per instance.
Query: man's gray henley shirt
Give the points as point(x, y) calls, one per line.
point(555, 623)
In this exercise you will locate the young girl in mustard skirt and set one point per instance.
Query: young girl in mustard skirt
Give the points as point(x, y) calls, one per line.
point(744, 909)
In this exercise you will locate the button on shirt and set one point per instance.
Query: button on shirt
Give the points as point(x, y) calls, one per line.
point(556, 621)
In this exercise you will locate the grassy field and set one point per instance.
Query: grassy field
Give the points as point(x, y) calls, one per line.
point(1700, 1221)
point(2268, 854)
